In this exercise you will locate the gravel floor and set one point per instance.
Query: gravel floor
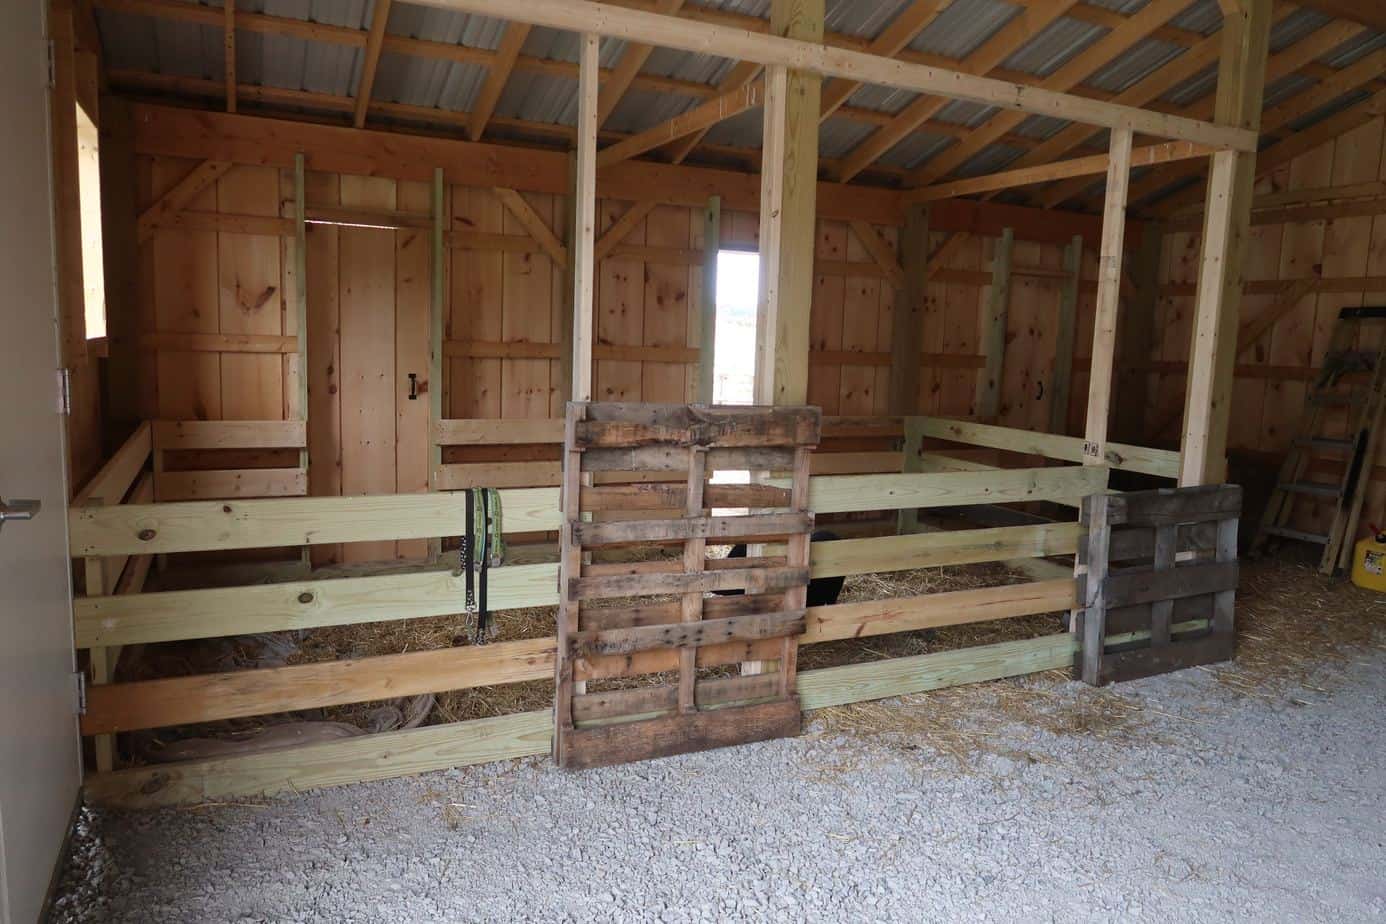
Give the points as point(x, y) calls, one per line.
point(1178, 798)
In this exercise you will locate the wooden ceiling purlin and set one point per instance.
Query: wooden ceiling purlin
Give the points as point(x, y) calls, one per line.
point(992, 53)
point(269, 102)
point(1089, 61)
point(1349, 80)
point(375, 41)
point(1291, 60)
point(907, 25)
point(169, 131)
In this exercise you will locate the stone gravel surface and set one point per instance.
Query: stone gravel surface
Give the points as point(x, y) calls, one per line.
point(1210, 805)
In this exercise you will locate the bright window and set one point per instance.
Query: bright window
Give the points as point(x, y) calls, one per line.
point(738, 291)
point(89, 194)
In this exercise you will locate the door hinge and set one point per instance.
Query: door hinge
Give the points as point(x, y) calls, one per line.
point(64, 391)
point(79, 692)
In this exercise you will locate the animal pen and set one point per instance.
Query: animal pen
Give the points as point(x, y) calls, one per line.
point(338, 321)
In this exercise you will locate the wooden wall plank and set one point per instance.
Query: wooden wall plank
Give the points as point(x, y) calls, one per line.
point(475, 311)
point(250, 296)
point(367, 287)
point(526, 296)
point(324, 354)
point(413, 296)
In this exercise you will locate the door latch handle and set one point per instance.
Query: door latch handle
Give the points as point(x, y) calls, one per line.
point(413, 386)
point(17, 510)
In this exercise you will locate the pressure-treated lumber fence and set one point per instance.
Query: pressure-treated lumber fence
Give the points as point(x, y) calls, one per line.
point(154, 528)
point(171, 615)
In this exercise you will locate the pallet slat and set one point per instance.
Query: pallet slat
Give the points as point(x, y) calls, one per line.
point(704, 527)
point(750, 627)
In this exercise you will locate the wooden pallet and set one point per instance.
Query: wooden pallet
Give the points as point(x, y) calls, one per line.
point(1154, 592)
point(644, 635)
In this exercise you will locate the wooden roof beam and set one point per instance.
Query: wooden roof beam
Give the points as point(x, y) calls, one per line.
point(893, 39)
point(489, 94)
point(1287, 61)
point(229, 51)
point(632, 60)
point(1079, 68)
point(1365, 12)
point(374, 42)
point(814, 57)
point(1278, 155)
point(990, 55)
point(1094, 165)
point(1348, 80)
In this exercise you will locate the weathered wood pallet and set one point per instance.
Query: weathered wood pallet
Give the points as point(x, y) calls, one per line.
point(1136, 581)
point(601, 639)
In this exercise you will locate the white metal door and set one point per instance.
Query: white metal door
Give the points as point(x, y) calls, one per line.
point(39, 771)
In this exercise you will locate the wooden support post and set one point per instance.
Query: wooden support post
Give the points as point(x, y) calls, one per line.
point(1065, 332)
point(788, 202)
point(907, 323)
point(437, 308)
point(582, 248)
point(299, 361)
point(1108, 297)
point(907, 520)
point(707, 342)
point(1226, 224)
point(228, 10)
point(993, 332)
point(1137, 340)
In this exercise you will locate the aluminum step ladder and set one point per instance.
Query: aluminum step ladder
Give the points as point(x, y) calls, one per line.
point(1351, 379)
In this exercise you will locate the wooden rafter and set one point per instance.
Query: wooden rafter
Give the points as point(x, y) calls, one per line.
point(1012, 36)
point(229, 51)
point(489, 94)
point(1071, 74)
point(632, 60)
point(272, 96)
point(893, 39)
point(821, 61)
point(375, 40)
point(1080, 166)
point(1348, 80)
point(1287, 61)
point(741, 74)
point(1366, 12)
point(699, 117)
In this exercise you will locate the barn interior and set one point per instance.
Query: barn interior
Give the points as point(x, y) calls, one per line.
point(329, 272)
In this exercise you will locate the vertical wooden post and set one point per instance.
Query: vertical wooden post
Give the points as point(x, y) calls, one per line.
point(707, 340)
point(907, 322)
point(988, 403)
point(788, 203)
point(298, 363)
point(582, 249)
point(67, 205)
point(907, 520)
point(437, 308)
point(1108, 299)
point(1226, 224)
point(1061, 379)
point(1137, 339)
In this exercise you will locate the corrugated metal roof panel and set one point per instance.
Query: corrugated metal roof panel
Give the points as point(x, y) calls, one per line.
point(1297, 25)
point(639, 109)
point(864, 20)
point(1058, 42)
point(1354, 49)
point(915, 149)
point(837, 137)
point(742, 130)
point(1135, 65)
point(989, 160)
point(964, 26)
point(881, 99)
point(1203, 17)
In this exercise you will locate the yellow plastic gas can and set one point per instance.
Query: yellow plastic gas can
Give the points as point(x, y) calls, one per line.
point(1369, 562)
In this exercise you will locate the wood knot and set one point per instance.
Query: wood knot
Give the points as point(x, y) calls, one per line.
point(146, 534)
point(305, 597)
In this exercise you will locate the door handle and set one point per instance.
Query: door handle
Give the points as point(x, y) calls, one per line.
point(17, 510)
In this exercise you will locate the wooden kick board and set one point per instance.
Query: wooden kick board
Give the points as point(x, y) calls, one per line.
point(639, 618)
